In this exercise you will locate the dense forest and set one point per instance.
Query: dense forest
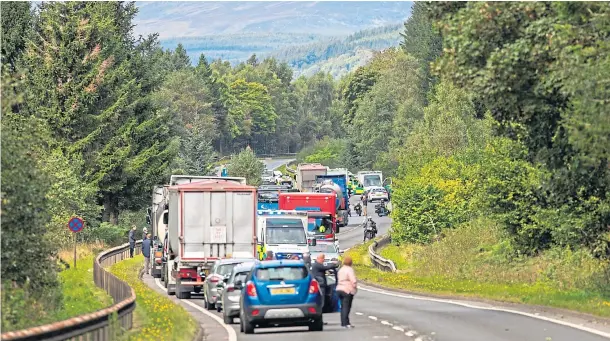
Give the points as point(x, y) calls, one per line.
point(488, 114)
point(491, 117)
point(93, 117)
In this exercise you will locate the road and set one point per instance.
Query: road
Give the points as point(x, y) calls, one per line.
point(379, 314)
point(272, 164)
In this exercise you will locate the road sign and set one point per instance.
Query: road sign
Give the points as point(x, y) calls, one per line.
point(76, 224)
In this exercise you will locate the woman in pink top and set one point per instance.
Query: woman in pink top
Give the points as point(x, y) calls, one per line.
point(346, 289)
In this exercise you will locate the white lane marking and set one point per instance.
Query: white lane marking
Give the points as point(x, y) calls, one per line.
point(230, 330)
point(373, 318)
point(359, 314)
point(439, 300)
point(411, 333)
point(386, 323)
point(400, 329)
point(419, 339)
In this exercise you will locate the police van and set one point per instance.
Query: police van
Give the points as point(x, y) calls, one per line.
point(283, 232)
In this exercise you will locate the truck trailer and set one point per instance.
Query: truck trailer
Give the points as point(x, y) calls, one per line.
point(321, 208)
point(158, 229)
point(208, 218)
point(306, 176)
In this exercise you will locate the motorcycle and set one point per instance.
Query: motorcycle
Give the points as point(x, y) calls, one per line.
point(382, 210)
point(358, 209)
point(369, 233)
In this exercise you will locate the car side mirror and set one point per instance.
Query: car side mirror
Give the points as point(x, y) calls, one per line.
point(312, 242)
point(148, 219)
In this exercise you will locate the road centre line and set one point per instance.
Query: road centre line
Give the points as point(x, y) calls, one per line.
point(230, 330)
point(439, 300)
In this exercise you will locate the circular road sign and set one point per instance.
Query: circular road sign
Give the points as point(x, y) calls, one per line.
point(76, 224)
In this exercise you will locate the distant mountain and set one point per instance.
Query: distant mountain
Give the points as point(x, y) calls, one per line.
point(202, 18)
point(340, 55)
point(311, 36)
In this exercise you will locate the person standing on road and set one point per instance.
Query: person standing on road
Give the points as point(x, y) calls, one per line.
point(132, 240)
point(347, 287)
point(146, 246)
point(145, 233)
point(318, 271)
point(365, 202)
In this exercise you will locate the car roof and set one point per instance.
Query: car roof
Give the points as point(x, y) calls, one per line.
point(278, 263)
point(235, 260)
point(243, 267)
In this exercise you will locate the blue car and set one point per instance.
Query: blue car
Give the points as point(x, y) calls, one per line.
point(280, 293)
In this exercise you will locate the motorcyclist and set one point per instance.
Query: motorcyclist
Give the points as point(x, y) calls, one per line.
point(370, 222)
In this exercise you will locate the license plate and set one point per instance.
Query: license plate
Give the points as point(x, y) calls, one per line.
point(282, 291)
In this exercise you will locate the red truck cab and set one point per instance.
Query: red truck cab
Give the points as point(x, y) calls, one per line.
point(321, 208)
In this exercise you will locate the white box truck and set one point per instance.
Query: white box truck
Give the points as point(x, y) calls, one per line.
point(208, 218)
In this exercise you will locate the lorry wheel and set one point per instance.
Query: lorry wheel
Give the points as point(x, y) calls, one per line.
point(227, 319)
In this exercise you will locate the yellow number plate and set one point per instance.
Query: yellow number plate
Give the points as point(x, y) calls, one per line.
point(282, 291)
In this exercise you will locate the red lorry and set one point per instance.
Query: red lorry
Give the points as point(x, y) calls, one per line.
point(321, 208)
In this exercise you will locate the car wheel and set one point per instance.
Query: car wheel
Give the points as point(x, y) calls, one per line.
point(227, 319)
point(241, 323)
point(248, 327)
point(317, 325)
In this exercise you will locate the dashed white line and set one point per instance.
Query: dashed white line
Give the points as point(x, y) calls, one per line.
point(359, 313)
point(419, 339)
point(411, 333)
point(400, 329)
point(373, 318)
point(386, 323)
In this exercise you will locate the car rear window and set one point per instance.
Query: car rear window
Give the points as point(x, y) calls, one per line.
point(241, 276)
point(281, 273)
point(225, 269)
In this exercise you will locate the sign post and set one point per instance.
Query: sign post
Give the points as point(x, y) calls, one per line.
point(75, 224)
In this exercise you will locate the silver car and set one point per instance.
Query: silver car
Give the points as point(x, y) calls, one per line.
point(231, 292)
point(329, 249)
point(220, 271)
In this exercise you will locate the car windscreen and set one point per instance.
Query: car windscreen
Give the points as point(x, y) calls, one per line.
point(324, 248)
point(372, 180)
point(285, 231)
point(281, 273)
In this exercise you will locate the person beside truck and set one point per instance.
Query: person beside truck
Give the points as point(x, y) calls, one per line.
point(146, 247)
point(132, 240)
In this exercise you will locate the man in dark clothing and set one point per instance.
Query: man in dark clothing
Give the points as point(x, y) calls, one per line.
point(145, 234)
point(318, 271)
point(146, 246)
point(132, 240)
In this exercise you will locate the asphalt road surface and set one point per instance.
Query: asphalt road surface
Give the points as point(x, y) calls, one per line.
point(385, 315)
point(272, 164)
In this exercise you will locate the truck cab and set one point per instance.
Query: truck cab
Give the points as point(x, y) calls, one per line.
point(284, 232)
point(321, 209)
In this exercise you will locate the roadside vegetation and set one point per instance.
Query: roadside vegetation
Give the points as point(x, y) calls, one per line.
point(442, 269)
point(156, 316)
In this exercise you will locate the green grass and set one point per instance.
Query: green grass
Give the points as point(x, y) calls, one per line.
point(156, 316)
point(80, 293)
point(469, 262)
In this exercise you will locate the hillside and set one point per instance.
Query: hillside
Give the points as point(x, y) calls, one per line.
point(339, 56)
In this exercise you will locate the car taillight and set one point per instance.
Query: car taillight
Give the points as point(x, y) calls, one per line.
point(230, 289)
point(314, 287)
point(251, 289)
point(214, 279)
point(328, 236)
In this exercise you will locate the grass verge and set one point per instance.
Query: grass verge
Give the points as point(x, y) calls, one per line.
point(156, 316)
point(80, 294)
point(462, 265)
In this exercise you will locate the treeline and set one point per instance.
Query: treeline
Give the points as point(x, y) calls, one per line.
point(304, 56)
point(489, 110)
point(93, 118)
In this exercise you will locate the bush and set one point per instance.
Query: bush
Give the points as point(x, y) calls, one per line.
point(245, 164)
point(329, 152)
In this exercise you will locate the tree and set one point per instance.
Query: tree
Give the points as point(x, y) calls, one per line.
point(245, 164)
point(179, 59)
point(30, 286)
point(16, 26)
point(93, 92)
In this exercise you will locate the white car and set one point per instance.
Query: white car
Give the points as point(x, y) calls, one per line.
point(378, 193)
